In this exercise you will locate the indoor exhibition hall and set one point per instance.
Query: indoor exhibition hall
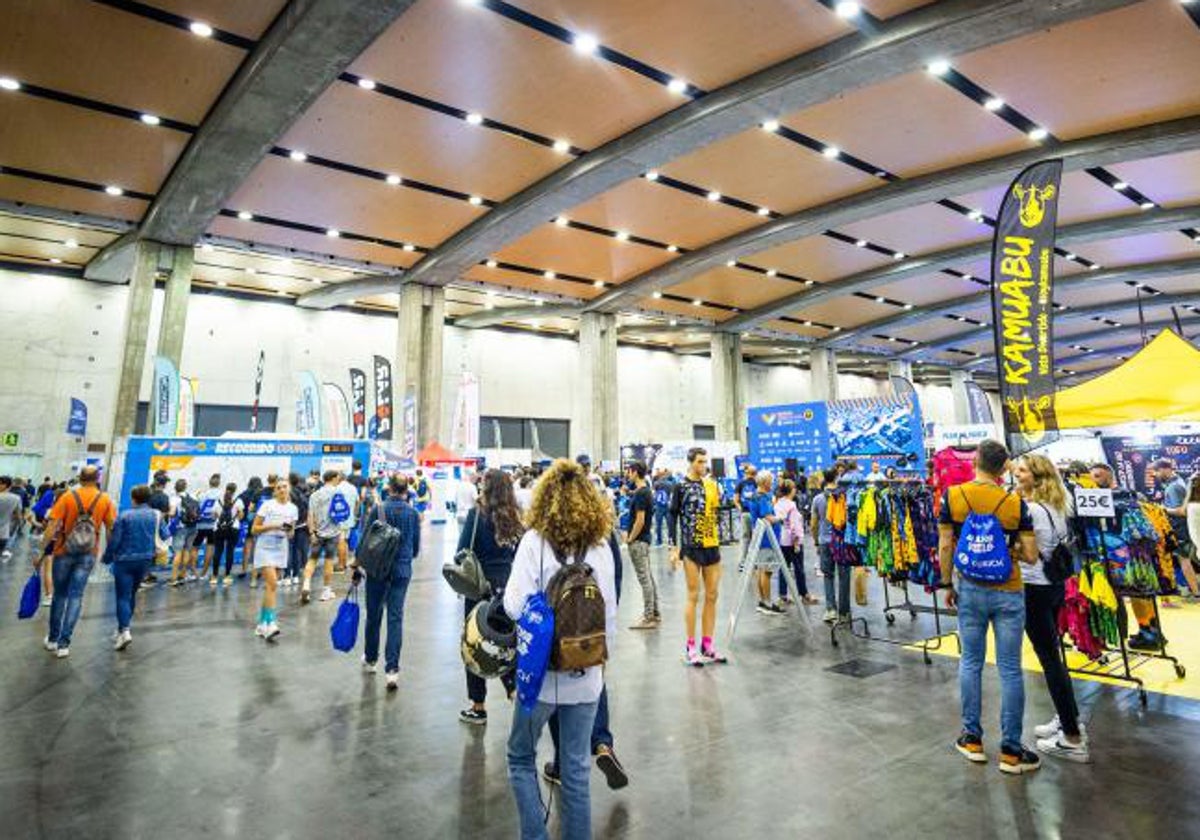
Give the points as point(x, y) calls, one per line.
point(599, 419)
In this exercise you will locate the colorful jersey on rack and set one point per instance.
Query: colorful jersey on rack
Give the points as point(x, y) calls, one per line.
point(693, 514)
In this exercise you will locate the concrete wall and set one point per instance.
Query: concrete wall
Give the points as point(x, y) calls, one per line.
point(61, 337)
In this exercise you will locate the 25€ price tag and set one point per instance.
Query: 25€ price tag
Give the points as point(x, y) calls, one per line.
point(1093, 502)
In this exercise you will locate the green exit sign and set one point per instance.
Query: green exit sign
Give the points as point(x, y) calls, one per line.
point(11, 440)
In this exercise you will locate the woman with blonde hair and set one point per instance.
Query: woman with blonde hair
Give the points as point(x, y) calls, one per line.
point(1040, 486)
point(568, 521)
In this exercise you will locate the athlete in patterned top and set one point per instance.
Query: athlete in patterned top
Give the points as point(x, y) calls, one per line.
point(692, 525)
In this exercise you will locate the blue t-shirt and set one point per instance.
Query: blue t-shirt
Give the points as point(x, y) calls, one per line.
point(760, 506)
point(824, 526)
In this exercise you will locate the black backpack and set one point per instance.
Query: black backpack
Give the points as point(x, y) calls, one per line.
point(189, 510)
point(378, 547)
point(225, 520)
point(1060, 565)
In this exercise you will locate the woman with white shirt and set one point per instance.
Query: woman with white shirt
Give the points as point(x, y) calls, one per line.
point(274, 523)
point(1039, 484)
point(568, 519)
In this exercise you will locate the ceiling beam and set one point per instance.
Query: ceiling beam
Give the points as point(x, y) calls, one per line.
point(505, 314)
point(1126, 224)
point(1101, 150)
point(900, 45)
point(308, 46)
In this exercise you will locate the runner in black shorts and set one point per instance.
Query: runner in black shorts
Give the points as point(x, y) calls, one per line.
point(692, 531)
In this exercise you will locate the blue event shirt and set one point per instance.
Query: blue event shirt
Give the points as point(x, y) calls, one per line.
point(760, 506)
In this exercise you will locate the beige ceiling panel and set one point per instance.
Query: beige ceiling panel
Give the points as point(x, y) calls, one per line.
point(304, 192)
point(770, 171)
point(707, 42)
point(796, 329)
point(591, 255)
point(72, 142)
point(29, 191)
point(735, 287)
point(311, 242)
point(1170, 180)
point(102, 53)
point(1147, 248)
point(388, 135)
point(846, 311)
point(818, 258)
point(269, 266)
point(15, 246)
point(34, 228)
point(1134, 66)
point(929, 289)
point(919, 230)
point(934, 330)
point(531, 282)
point(472, 58)
point(1083, 198)
point(891, 8)
point(248, 18)
point(664, 214)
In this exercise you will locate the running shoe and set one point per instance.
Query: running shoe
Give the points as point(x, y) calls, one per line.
point(189, 577)
point(260, 630)
point(614, 773)
point(710, 655)
point(229, 580)
point(645, 623)
point(271, 632)
point(473, 716)
point(1016, 762)
point(1059, 747)
point(971, 748)
point(393, 680)
point(212, 581)
point(692, 657)
point(1048, 729)
point(49, 645)
point(809, 600)
point(62, 652)
point(767, 609)
point(123, 640)
point(6, 555)
point(305, 595)
point(327, 594)
point(47, 600)
point(830, 616)
point(369, 667)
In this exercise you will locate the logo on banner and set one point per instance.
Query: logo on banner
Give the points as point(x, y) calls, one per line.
point(383, 398)
point(77, 421)
point(165, 398)
point(358, 407)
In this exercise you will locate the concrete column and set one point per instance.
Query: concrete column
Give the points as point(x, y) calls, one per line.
point(899, 367)
point(133, 355)
point(823, 365)
point(728, 387)
point(418, 365)
point(958, 388)
point(175, 305)
point(598, 433)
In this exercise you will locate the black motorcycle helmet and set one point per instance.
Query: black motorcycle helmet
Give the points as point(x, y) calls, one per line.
point(489, 640)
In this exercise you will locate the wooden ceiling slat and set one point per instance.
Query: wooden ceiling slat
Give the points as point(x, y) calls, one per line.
point(70, 198)
point(569, 251)
point(249, 18)
point(735, 287)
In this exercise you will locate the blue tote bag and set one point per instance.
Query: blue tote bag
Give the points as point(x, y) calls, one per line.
point(344, 630)
point(30, 597)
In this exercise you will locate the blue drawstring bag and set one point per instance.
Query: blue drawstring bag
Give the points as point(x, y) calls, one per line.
point(352, 540)
point(344, 630)
point(30, 597)
point(535, 636)
point(981, 555)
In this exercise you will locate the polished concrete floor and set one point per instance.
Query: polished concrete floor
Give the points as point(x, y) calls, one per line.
point(202, 730)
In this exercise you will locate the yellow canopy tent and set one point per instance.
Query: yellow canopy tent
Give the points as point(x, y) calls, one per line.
point(1160, 382)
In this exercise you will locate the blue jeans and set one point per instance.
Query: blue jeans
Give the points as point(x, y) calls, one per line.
point(390, 594)
point(601, 734)
point(70, 573)
point(127, 574)
point(575, 729)
point(979, 606)
point(660, 522)
point(841, 602)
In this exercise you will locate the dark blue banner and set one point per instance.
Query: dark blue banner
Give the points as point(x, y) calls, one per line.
point(77, 422)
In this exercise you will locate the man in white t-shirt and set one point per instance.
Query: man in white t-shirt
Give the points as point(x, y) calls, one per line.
point(274, 523)
point(325, 535)
point(350, 493)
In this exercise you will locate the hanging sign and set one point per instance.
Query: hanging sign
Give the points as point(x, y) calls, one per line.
point(338, 412)
point(308, 406)
point(978, 405)
point(383, 398)
point(77, 421)
point(258, 380)
point(408, 448)
point(164, 400)
point(464, 437)
point(1094, 502)
point(185, 422)
point(358, 402)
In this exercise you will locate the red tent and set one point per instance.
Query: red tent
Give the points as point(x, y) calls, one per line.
point(437, 455)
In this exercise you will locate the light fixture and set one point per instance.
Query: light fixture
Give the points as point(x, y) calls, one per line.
point(245, 215)
point(599, 284)
point(114, 190)
point(585, 43)
point(677, 86)
point(476, 200)
point(298, 156)
point(672, 323)
point(1096, 266)
point(697, 302)
point(251, 271)
point(879, 299)
point(561, 221)
point(1147, 205)
point(938, 67)
point(652, 175)
point(908, 306)
point(333, 233)
point(201, 28)
point(771, 125)
point(539, 302)
point(975, 215)
point(562, 146)
point(8, 83)
point(1038, 134)
point(860, 243)
point(836, 329)
point(150, 119)
point(968, 277)
point(831, 152)
point(807, 324)
point(657, 296)
point(474, 118)
point(673, 248)
point(847, 9)
point(222, 283)
point(764, 211)
point(71, 243)
point(366, 84)
point(810, 282)
point(622, 236)
point(549, 275)
point(713, 195)
point(771, 272)
point(899, 255)
point(1068, 256)
point(994, 104)
point(394, 180)
point(491, 263)
point(1120, 186)
point(731, 263)
point(207, 247)
point(55, 260)
point(408, 246)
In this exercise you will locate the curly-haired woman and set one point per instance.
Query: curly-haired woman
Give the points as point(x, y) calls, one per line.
point(568, 518)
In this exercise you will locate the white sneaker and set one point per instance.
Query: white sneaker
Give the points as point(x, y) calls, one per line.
point(254, 583)
point(260, 630)
point(6, 555)
point(190, 577)
point(393, 680)
point(327, 594)
point(1048, 729)
point(62, 652)
point(369, 667)
point(49, 645)
point(123, 640)
point(271, 632)
point(830, 616)
point(47, 600)
point(1059, 747)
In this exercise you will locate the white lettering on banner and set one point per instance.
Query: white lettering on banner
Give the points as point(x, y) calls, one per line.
point(1093, 502)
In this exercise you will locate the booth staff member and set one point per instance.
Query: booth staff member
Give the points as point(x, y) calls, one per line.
point(1174, 491)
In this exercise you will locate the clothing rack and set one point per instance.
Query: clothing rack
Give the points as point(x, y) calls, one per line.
point(927, 644)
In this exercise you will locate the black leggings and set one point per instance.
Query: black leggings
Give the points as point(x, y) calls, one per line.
point(794, 555)
point(222, 542)
point(1041, 626)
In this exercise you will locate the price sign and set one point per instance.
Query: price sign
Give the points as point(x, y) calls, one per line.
point(1093, 502)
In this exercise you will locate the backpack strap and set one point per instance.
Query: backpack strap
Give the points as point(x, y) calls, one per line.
point(1000, 504)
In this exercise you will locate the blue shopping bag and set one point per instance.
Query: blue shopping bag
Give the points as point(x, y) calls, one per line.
point(535, 635)
point(344, 630)
point(30, 597)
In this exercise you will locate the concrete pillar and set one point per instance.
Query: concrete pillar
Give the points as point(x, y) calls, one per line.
point(823, 365)
point(962, 402)
point(898, 367)
point(596, 422)
point(418, 364)
point(137, 326)
point(175, 306)
point(728, 387)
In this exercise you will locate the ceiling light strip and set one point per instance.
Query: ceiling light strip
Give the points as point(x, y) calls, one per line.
point(64, 181)
point(178, 21)
point(98, 106)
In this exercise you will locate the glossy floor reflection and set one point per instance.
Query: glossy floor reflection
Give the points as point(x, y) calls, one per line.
point(201, 730)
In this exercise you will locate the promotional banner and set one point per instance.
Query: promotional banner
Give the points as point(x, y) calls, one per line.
point(77, 420)
point(1022, 305)
point(164, 398)
point(408, 446)
point(185, 423)
point(383, 398)
point(465, 435)
point(258, 379)
point(978, 405)
point(308, 405)
point(1131, 458)
point(338, 411)
point(358, 402)
point(902, 387)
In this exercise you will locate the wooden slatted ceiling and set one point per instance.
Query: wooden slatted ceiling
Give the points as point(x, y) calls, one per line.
point(102, 53)
point(529, 282)
point(818, 258)
point(1130, 67)
point(1170, 180)
point(248, 18)
point(33, 228)
point(70, 198)
point(1148, 248)
point(476, 60)
point(311, 242)
point(845, 312)
point(1082, 198)
point(734, 287)
point(569, 251)
point(931, 288)
point(920, 230)
point(707, 42)
point(796, 329)
point(891, 8)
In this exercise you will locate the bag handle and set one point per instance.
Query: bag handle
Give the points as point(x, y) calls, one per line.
point(474, 526)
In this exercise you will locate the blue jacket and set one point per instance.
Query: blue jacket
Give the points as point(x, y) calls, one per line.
point(132, 536)
point(401, 516)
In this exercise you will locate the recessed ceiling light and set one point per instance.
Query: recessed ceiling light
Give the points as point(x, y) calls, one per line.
point(771, 272)
point(298, 156)
point(861, 243)
point(677, 86)
point(968, 277)
point(1096, 266)
point(771, 125)
point(1038, 134)
point(71, 243)
point(489, 305)
point(539, 302)
point(599, 284)
point(810, 282)
point(908, 306)
point(657, 296)
point(837, 329)
point(585, 43)
point(975, 215)
point(561, 221)
point(394, 180)
point(150, 119)
point(938, 67)
point(251, 271)
point(1068, 256)
point(474, 118)
point(731, 263)
point(697, 302)
point(847, 9)
point(491, 263)
point(207, 247)
point(672, 323)
point(807, 323)
point(831, 152)
point(549, 275)
point(221, 283)
point(879, 299)
point(201, 28)
point(333, 233)
point(1147, 205)
point(1120, 186)
point(673, 248)
point(476, 200)
point(491, 293)
point(113, 190)
point(622, 236)
point(562, 146)
point(9, 83)
point(899, 255)
point(55, 260)
point(245, 215)
point(713, 195)
point(652, 175)
point(366, 84)
point(994, 104)
point(408, 246)
point(764, 211)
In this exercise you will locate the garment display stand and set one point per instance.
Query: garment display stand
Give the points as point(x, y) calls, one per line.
point(751, 563)
point(927, 644)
